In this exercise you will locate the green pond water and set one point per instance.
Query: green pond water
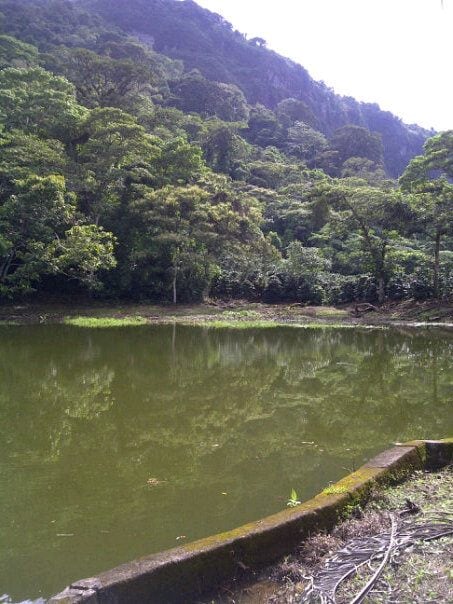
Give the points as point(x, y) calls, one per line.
point(225, 422)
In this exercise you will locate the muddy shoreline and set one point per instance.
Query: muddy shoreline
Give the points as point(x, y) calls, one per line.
point(236, 313)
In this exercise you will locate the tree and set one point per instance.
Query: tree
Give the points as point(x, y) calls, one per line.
point(260, 42)
point(14, 53)
point(223, 147)
point(376, 216)
point(191, 93)
point(37, 102)
point(270, 172)
point(178, 234)
point(167, 122)
point(30, 221)
point(101, 81)
point(263, 127)
point(355, 141)
point(116, 147)
point(307, 263)
point(179, 162)
point(38, 236)
point(228, 103)
point(153, 143)
point(195, 93)
point(305, 143)
point(117, 153)
point(23, 155)
point(439, 153)
point(289, 111)
point(290, 218)
point(181, 232)
point(429, 177)
point(84, 251)
point(365, 169)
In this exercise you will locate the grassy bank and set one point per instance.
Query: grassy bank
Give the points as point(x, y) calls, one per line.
point(226, 314)
point(104, 322)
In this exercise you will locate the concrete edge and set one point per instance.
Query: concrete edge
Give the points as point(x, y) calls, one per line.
point(185, 572)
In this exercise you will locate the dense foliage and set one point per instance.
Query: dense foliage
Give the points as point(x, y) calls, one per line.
point(207, 42)
point(128, 173)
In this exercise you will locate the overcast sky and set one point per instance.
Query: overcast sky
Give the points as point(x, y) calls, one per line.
point(398, 53)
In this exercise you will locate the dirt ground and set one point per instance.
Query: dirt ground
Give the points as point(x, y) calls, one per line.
point(410, 311)
point(421, 574)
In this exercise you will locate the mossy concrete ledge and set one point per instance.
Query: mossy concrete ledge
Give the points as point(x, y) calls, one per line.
point(184, 573)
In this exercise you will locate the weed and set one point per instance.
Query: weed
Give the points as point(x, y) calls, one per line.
point(293, 500)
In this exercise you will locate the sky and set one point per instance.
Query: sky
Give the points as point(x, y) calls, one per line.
point(397, 53)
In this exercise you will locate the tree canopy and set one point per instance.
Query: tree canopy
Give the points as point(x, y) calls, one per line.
point(127, 172)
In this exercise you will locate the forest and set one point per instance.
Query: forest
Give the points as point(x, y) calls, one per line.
point(150, 152)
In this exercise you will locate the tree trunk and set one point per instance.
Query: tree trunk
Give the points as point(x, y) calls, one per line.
point(381, 274)
point(4, 270)
point(174, 285)
point(436, 264)
point(381, 288)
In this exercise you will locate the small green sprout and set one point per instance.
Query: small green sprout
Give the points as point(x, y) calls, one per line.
point(293, 499)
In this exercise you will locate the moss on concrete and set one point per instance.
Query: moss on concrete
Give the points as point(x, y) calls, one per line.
point(334, 490)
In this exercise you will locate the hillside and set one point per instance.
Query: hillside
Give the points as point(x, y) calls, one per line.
point(127, 173)
point(207, 42)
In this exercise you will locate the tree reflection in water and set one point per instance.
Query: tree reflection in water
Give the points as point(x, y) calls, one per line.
point(88, 416)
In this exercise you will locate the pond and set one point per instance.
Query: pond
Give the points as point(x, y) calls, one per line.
point(117, 443)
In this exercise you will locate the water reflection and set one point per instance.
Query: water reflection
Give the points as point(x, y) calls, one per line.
point(89, 416)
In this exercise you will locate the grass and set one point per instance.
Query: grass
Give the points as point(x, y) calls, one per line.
point(331, 312)
point(423, 571)
point(237, 320)
point(243, 324)
point(228, 324)
point(105, 322)
point(225, 313)
point(432, 492)
point(240, 314)
point(258, 317)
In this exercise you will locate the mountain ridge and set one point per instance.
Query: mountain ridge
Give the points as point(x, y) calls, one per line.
point(181, 29)
point(127, 173)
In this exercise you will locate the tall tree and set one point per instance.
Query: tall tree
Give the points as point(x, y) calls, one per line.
point(37, 102)
point(14, 53)
point(84, 251)
point(30, 220)
point(376, 216)
point(114, 146)
point(355, 141)
point(305, 143)
point(429, 177)
point(181, 232)
point(100, 81)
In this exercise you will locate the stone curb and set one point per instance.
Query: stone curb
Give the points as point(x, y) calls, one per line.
point(183, 573)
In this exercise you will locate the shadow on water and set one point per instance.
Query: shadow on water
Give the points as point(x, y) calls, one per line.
point(118, 443)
